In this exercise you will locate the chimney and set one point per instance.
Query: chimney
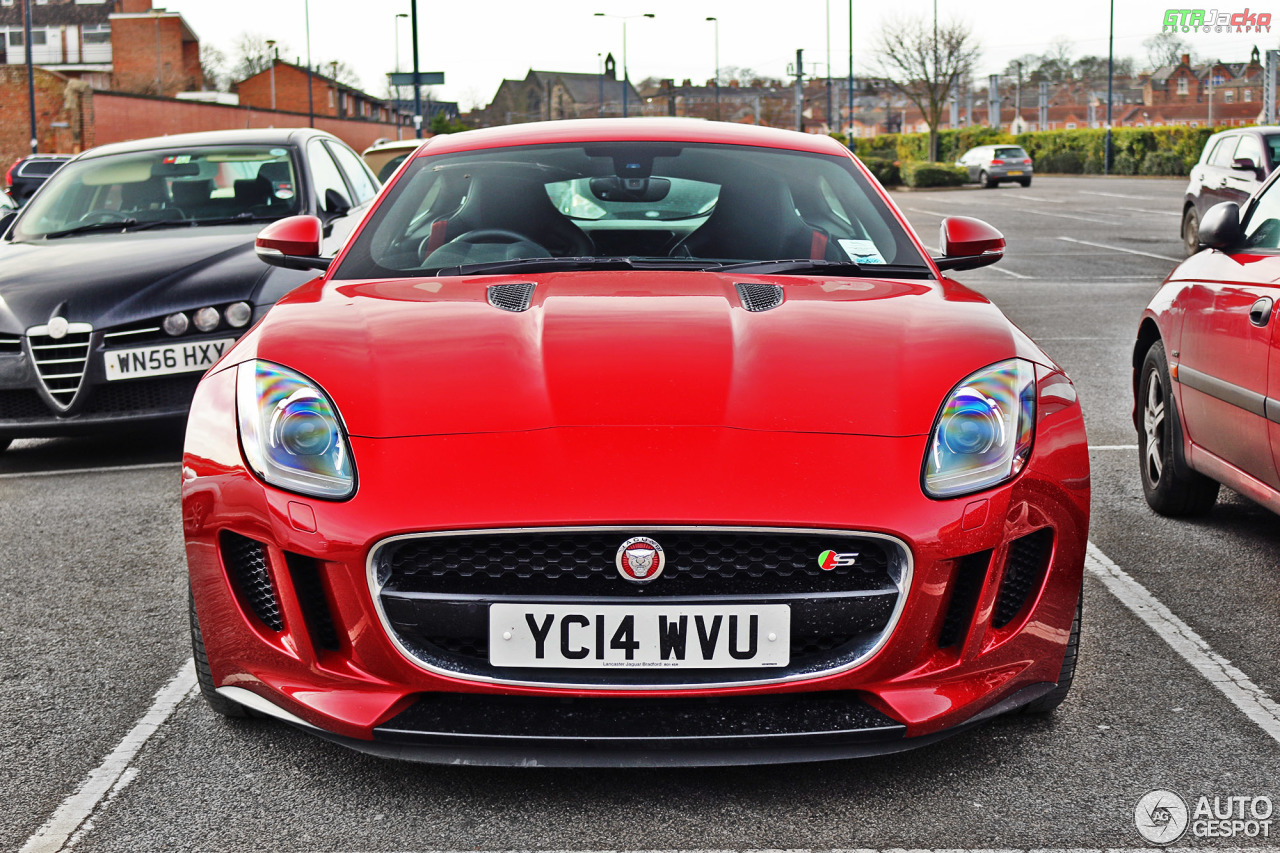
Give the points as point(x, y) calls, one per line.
point(1186, 59)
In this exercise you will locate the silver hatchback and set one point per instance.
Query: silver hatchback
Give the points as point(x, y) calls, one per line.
point(992, 164)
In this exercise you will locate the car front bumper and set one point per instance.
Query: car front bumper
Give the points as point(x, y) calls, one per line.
point(328, 662)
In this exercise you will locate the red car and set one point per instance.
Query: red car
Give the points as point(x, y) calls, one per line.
point(634, 442)
point(1207, 366)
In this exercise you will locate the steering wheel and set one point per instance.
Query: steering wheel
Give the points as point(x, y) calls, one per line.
point(493, 235)
point(104, 215)
point(456, 251)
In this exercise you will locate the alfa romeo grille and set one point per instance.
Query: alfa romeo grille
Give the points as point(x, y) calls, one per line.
point(759, 297)
point(10, 344)
point(60, 362)
point(511, 297)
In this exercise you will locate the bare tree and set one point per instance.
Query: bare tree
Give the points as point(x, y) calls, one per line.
point(251, 55)
point(1166, 49)
point(339, 70)
point(213, 65)
point(926, 64)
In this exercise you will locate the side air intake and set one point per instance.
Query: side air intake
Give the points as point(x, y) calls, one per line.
point(511, 297)
point(759, 297)
point(246, 562)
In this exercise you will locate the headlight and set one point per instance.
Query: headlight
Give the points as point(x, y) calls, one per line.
point(290, 432)
point(206, 319)
point(175, 324)
point(982, 435)
point(238, 314)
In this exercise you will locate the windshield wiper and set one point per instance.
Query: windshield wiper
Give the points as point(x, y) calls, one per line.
point(121, 225)
point(799, 266)
point(533, 265)
point(239, 217)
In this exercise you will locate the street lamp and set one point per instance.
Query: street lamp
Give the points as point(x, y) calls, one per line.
point(399, 15)
point(716, 21)
point(271, 49)
point(625, 79)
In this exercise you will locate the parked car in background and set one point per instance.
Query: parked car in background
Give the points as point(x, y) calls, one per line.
point(385, 157)
point(1206, 365)
point(133, 269)
point(991, 165)
point(26, 174)
point(7, 203)
point(1232, 166)
point(639, 442)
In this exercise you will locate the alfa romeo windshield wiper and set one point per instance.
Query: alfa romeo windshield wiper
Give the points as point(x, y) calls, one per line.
point(800, 266)
point(121, 225)
point(532, 265)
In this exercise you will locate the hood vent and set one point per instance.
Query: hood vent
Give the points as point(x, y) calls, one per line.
point(511, 297)
point(759, 297)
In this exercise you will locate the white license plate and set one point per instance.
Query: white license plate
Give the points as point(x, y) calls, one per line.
point(1019, 172)
point(625, 636)
point(165, 359)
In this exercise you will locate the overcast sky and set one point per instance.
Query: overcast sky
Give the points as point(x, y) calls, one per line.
point(478, 43)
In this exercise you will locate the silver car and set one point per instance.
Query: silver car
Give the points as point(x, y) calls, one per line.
point(991, 164)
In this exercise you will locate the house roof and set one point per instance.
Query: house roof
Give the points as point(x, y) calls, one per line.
point(583, 88)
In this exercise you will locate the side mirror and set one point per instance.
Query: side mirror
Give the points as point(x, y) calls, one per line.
point(6, 219)
point(1220, 227)
point(968, 244)
point(1244, 164)
point(293, 243)
point(335, 203)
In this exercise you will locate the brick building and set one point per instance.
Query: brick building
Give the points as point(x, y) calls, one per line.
point(125, 45)
point(284, 87)
point(552, 95)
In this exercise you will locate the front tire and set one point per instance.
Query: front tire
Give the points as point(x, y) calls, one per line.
point(1171, 488)
point(1190, 232)
point(204, 676)
point(1055, 697)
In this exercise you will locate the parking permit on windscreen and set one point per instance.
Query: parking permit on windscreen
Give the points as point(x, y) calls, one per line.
point(862, 251)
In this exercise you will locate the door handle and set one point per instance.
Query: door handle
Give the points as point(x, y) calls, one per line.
point(1260, 312)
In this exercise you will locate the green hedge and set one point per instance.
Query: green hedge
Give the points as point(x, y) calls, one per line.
point(922, 173)
point(886, 171)
point(1134, 151)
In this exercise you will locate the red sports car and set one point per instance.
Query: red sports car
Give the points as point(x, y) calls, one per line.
point(634, 442)
point(1207, 366)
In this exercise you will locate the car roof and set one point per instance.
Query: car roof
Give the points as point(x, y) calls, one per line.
point(394, 145)
point(251, 136)
point(631, 130)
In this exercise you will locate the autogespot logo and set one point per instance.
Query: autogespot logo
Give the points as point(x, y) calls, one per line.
point(1214, 21)
point(1161, 817)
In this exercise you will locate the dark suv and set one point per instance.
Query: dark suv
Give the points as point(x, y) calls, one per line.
point(27, 174)
point(1233, 164)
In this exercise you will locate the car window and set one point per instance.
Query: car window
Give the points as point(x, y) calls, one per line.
point(1010, 154)
point(1272, 142)
point(358, 175)
point(1225, 153)
point(1262, 226)
point(642, 200)
point(325, 174)
point(1250, 147)
point(192, 185)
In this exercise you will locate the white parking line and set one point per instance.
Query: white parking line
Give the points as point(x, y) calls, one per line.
point(107, 776)
point(1113, 195)
point(1094, 218)
point(1251, 699)
point(1145, 210)
point(16, 475)
point(1119, 249)
point(1113, 447)
point(1014, 274)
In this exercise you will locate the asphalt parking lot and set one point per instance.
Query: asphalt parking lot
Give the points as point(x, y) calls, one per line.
point(107, 748)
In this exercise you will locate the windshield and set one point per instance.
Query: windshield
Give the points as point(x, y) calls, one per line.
point(664, 203)
point(196, 186)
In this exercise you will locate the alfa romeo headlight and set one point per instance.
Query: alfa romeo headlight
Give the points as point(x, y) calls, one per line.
point(290, 432)
point(982, 436)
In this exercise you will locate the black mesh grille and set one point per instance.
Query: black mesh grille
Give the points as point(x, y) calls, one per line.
point(23, 405)
point(511, 297)
point(583, 564)
point(966, 587)
point(1024, 570)
point(759, 297)
point(246, 563)
point(309, 588)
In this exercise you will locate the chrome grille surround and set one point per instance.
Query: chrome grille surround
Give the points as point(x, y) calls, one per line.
point(61, 363)
point(903, 568)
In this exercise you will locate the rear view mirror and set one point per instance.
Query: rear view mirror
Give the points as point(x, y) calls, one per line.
point(968, 244)
point(1220, 228)
point(614, 188)
point(293, 243)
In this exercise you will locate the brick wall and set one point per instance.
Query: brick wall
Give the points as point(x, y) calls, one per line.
point(118, 117)
point(149, 56)
point(59, 101)
point(291, 91)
